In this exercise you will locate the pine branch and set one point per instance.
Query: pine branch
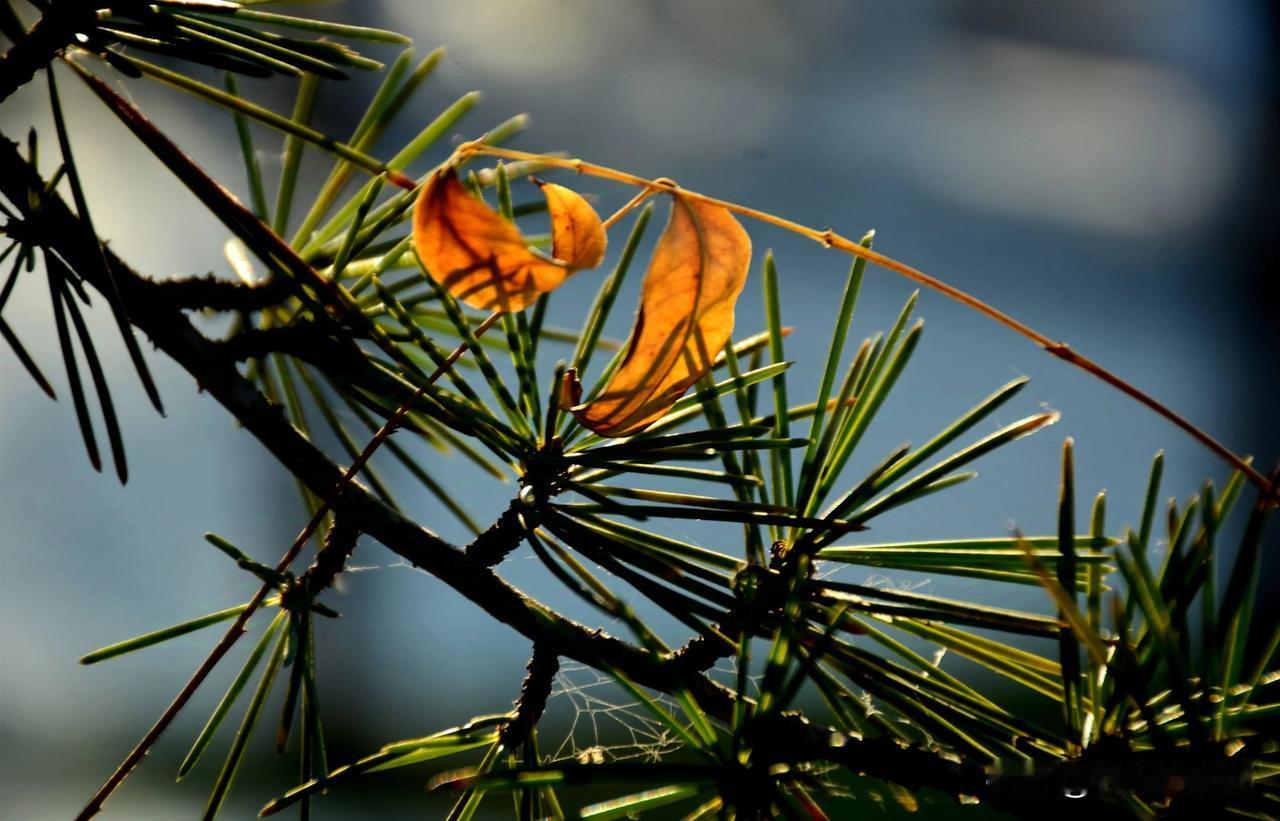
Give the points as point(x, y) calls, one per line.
point(172, 332)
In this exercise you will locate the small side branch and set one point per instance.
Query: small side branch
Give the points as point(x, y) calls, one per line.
point(702, 652)
point(211, 293)
point(502, 537)
point(339, 542)
point(542, 669)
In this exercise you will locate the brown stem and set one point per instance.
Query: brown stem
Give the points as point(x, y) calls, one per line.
point(230, 211)
point(237, 629)
point(830, 239)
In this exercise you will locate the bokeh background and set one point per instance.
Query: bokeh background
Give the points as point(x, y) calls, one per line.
point(1104, 171)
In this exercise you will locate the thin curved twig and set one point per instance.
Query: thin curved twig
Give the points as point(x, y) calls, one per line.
point(830, 239)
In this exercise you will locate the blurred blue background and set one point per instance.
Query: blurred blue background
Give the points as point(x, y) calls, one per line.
point(1105, 171)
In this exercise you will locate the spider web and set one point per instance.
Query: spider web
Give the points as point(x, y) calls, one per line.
point(604, 725)
point(601, 729)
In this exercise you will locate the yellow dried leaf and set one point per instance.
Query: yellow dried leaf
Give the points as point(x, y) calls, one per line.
point(481, 258)
point(686, 316)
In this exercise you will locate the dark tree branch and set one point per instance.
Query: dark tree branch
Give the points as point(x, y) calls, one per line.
point(702, 651)
point(309, 340)
point(502, 537)
point(35, 49)
point(541, 672)
point(172, 332)
point(212, 293)
point(339, 543)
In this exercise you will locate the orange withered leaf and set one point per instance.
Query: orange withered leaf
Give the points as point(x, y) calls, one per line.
point(686, 316)
point(481, 258)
